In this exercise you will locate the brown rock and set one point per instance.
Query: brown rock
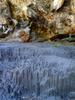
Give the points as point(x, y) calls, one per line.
point(73, 6)
point(24, 36)
point(73, 29)
point(4, 9)
point(50, 25)
point(18, 8)
point(45, 24)
point(2, 20)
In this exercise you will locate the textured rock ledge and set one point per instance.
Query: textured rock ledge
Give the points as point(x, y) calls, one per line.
point(44, 24)
point(36, 71)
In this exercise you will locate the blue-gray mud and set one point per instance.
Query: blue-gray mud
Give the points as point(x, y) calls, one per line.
point(37, 71)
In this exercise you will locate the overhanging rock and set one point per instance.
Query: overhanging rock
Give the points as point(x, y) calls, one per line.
point(28, 70)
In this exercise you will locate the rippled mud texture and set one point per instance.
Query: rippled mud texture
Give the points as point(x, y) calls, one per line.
point(37, 71)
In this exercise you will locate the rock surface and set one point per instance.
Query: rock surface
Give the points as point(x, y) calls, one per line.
point(45, 23)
